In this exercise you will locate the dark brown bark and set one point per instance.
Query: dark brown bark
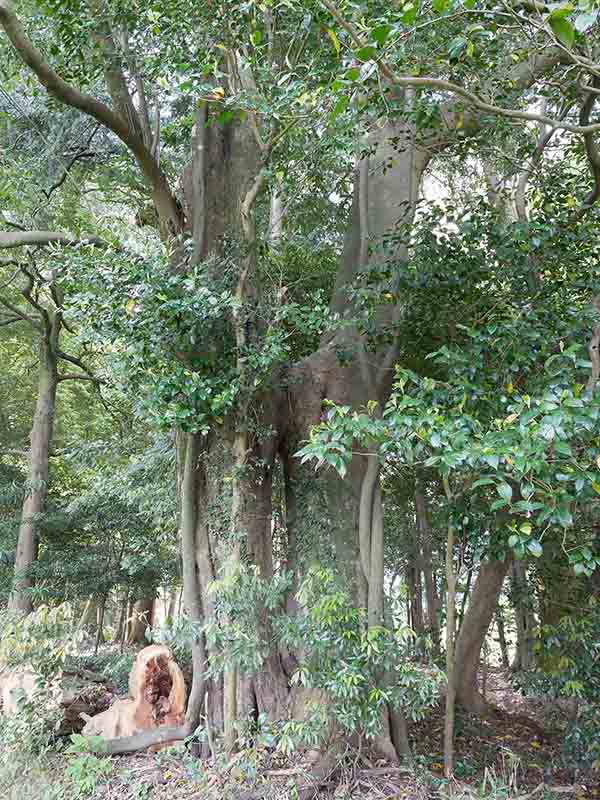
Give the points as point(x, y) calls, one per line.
point(482, 606)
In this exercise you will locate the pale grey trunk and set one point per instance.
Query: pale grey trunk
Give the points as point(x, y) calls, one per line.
point(37, 479)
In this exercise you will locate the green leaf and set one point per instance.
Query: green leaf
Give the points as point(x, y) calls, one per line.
point(380, 34)
point(334, 39)
point(439, 6)
point(482, 482)
point(340, 106)
point(256, 37)
point(456, 47)
point(535, 548)
point(563, 30)
point(505, 491)
point(366, 53)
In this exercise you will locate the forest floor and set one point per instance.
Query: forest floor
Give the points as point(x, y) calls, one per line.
point(515, 753)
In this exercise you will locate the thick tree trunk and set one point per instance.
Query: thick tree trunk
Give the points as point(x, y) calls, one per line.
point(37, 479)
point(482, 606)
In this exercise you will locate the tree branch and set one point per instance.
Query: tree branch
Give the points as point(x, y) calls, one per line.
point(73, 360)
point(9, 239)
point(10, 320)
point(20, 314)
point(471, 99)
point(593, 155)
point(142, 741)
point(63, 91)
point(74, 376)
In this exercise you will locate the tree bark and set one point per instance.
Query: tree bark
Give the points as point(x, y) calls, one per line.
point(39, 454)
point(502, 637)
point(525, 621)
point(482, 606)
point(142, 620)
point(191, 584)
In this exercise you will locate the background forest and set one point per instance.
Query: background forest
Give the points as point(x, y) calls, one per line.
point(299, 363)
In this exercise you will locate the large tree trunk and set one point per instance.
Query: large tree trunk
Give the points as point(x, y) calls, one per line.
point(482, 606)
point(37, 479)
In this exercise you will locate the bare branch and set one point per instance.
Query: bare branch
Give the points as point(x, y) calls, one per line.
point(28, 295)
point(10, 320)
point(75, 376)
point(141, 741)
point(471, 99)
point(77, 157)
point(9, 240)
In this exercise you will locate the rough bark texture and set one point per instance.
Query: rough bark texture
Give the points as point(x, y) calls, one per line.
point(480, 612)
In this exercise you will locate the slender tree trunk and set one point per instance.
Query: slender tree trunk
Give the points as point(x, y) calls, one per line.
point(230, 678)
point(191, 585)
point(523, 616)
point(482, 607)
point(122, 621)
point(450, 643)
point(100, 631)
point(432, 599)
point(37, 479)
point(502, 637)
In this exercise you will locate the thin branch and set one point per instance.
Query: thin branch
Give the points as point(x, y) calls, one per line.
point(73, 360)
point(77, 157)
point(13, 276)
point(407, 81)
point(10, 320)
point(21, 314)
point(75, 376)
